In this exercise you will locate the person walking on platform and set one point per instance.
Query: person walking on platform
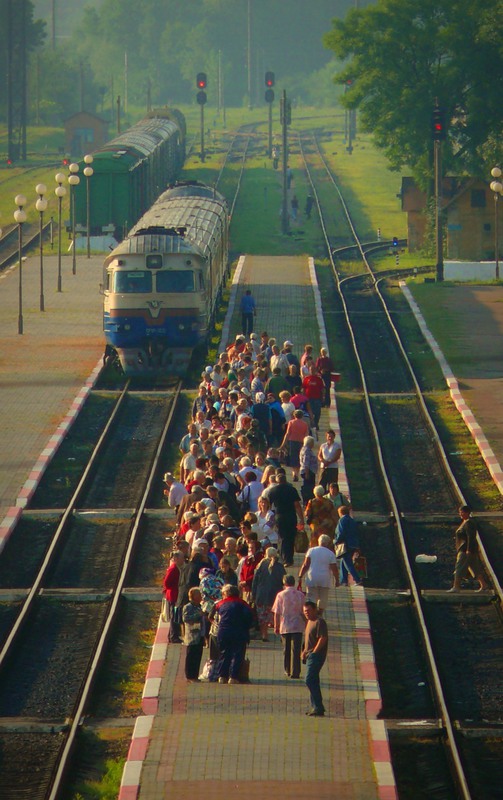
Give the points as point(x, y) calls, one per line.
point(346, 533)
point(320, 569)
point(467, 548)
point(248, 312)
point(289, 515)
point(171, 612)
point(314, 655)
point(289, 623)
point(328, 456)
point(235, 619)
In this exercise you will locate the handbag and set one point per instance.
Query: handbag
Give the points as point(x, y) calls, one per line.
point(301, 542)
point(340, 550)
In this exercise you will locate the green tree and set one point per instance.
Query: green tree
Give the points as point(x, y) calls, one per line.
point(403, 56)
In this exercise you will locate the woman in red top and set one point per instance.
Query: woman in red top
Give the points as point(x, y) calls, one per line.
point(295, 432)
point(251, 562)
point(170, 587)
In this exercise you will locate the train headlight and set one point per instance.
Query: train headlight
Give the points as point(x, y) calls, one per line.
point(127, 327)
point(181, 327)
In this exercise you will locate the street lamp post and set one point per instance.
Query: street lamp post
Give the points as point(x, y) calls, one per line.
point(73, 180)
point(20, 217)
point(60, 193)
point(497, 188)
point(88, 171)
point(41, 206)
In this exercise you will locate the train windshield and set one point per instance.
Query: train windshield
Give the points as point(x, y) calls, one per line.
point(175, 280)
point(137, 282)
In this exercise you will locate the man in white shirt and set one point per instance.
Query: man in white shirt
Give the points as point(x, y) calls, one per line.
point(320, 568)
point(174, 491)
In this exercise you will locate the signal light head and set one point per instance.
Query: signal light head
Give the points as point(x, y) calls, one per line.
point(269, 79)
point(201, 80)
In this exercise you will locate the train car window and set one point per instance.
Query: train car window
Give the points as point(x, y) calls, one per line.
point(175, 280)
point(136, 282)
point(154, 261)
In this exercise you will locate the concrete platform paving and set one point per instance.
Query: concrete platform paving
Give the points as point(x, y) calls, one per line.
point(42, 370)
point(255, 739)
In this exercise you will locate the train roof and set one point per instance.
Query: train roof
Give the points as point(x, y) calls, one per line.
point(185, 219)
point(134, 144)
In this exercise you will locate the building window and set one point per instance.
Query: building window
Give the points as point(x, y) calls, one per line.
point(478, 199)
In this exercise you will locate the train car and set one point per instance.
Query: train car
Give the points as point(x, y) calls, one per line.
point(162, 283)
point(130, 172)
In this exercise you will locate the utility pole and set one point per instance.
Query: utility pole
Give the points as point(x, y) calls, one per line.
point(249, 57)
point(286, 112)
point(438, 132)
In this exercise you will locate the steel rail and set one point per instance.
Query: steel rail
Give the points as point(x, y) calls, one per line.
point(35, 589)
point(117, 592)
point(459, 773)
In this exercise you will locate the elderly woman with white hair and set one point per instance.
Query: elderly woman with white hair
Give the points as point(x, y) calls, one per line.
point(320, 568)
point(321, 515)
point(325, 366)
point(308, 468)
point(267, 582)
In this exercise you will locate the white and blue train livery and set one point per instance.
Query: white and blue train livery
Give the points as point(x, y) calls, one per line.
point(162, 284)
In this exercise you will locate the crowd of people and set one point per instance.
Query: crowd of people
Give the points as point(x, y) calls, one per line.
point(252, 436)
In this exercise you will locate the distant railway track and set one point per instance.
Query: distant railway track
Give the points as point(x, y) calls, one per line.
point(452, 664)
point(65, 585)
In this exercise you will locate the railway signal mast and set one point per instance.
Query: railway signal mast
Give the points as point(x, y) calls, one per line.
point(202, 83)
point(269, 98)
point(438, 133)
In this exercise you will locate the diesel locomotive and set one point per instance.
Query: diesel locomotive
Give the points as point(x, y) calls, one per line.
point(163, 282)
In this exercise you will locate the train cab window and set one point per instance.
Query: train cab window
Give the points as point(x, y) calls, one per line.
point(154, 261)
point(175, 280)
point(137, 282)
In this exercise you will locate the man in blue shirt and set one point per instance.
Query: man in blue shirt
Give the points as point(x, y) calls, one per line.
point(248, 311)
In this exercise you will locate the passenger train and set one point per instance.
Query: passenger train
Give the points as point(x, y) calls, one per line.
point(163, 282)
point(130, 172)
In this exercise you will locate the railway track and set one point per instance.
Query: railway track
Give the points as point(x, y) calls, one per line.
point(65, 586)
point(444, 650)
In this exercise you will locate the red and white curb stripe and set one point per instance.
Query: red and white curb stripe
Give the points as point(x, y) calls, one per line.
point(333, 416)
point(150, 697)
point(11, 519)
point(473, 426)
point(371, 692)
point(136, 756)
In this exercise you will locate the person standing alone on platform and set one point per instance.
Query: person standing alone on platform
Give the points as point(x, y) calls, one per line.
point(314, 655)
point(467, 559)
point(248, 312)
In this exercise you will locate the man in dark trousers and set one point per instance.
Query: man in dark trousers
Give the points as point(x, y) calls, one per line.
point(289, 515)
point(248, 312)
point(467, 548)
point(314, 654)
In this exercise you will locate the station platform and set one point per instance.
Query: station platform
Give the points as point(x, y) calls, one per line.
point(44, 370)
point(255, 740)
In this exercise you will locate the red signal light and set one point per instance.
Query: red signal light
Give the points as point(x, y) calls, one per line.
point(201, 80)
point(269, 79)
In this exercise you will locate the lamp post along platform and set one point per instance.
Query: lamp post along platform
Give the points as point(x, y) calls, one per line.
point(60, 192)
point(497, 189)
point(88, 171)
point(73, 180)
point(20, 218)
point(41, 206)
